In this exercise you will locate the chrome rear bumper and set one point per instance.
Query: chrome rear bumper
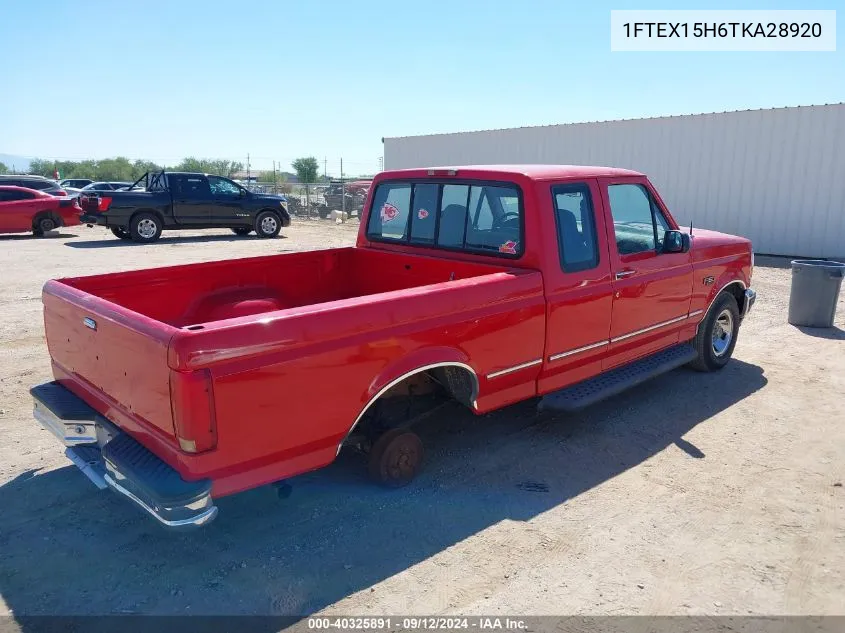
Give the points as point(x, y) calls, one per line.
point(111, 458)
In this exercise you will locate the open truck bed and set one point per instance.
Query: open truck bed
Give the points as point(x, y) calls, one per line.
point(253, 370)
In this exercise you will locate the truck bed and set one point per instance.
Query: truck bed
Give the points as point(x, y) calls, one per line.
point(293, 344)
point(192, 295)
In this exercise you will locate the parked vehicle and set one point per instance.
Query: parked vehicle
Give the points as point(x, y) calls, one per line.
point(38, 183)
point(482, 285)
point(177, 200)
point(74, 183)
point(106, 186)
point(355, 193)
point(23, 210)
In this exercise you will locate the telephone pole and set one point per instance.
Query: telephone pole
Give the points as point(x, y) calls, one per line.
point(325, 167)
point(342, 194)
point(247, 170)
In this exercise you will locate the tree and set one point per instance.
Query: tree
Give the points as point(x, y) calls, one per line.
point(226, 168)
point(3, 168)
point(306, 169)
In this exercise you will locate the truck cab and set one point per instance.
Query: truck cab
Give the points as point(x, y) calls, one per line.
point(485, 285)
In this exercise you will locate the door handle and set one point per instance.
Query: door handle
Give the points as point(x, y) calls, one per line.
point(625, 273)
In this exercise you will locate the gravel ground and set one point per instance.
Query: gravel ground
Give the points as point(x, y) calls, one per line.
point(694, 494)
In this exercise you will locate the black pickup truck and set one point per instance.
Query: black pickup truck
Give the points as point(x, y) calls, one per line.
point(161, 201)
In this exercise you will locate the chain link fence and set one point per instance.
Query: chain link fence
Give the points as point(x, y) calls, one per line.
point(338, 200)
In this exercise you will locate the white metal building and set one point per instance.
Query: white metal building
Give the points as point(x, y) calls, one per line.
point(775, 176)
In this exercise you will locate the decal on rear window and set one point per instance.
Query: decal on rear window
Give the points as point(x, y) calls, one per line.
point(422, 214)
point(388, 212)
point(509, 247)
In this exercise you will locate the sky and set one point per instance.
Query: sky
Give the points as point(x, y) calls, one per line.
point(278, 79)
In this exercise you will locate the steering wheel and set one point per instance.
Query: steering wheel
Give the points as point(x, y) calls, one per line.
point(506, 218)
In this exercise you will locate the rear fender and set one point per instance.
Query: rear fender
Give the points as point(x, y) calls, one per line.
point(407, 366)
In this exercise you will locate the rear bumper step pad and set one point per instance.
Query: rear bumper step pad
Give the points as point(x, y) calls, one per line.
point(588, 392)
point(110, 457)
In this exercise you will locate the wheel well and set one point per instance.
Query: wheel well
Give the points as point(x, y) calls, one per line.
point(46, 213)
point(152, 211)
point(457, 381)
point(737, 289)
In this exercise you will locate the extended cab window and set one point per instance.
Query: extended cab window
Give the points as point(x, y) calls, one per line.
point(633, 220)
point(192, 187)
point(576, 227)
point(475, 217)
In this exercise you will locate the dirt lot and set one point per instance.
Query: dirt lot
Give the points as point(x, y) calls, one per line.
point(695, 494)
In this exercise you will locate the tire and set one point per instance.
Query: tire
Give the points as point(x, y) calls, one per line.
point(717, 334)
point(268, 224)
point(120, 232)
point(242, 230)
point(396, 458)
point(324, 212)
point(43, 224)
point(145, 227)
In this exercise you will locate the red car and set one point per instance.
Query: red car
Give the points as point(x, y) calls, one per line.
point(23, 210)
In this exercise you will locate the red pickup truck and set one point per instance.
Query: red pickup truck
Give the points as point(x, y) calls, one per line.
point(486, 285)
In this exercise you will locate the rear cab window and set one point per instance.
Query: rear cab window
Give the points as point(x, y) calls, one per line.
point(473, 216)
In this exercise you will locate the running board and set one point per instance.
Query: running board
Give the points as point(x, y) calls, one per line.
point(588, 392)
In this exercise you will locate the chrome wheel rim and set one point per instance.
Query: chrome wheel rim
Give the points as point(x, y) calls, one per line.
point(268, 224)
point(723, 332)
point(147, 228)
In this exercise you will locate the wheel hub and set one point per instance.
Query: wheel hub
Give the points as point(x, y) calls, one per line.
point(147, 228)
point(722, 333)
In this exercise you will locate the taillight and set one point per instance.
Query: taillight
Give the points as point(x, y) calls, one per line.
point(192, 405)
point(60, 192)
point(103, 203)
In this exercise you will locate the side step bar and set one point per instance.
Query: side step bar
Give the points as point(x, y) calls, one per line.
point(588, 392)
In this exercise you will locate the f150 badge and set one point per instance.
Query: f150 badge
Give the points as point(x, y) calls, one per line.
point(89, 323)
point(709, 280)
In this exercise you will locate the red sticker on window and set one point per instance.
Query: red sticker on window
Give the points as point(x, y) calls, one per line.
point(388, 212)
point(509, 247)
point(422, 214)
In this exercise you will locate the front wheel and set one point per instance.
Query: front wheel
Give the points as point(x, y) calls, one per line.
point(268, 224)
point(145, 227)
point(120, 232)
point(717, 334)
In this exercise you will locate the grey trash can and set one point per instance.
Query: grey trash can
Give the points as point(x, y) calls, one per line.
point(814, 292)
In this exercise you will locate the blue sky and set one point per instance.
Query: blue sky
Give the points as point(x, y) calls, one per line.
point(280, 79)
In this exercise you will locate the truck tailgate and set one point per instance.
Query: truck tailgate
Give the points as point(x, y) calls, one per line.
point(118, 352)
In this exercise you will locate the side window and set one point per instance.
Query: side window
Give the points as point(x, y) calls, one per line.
point(389, 215)
point(192, 187)
point(633, 221)
point(453, 215)
point(424, 213)
point(222, 187)
point(576, 227)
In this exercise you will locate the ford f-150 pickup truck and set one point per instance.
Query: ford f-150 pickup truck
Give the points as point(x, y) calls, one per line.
point(485, 285)
point(176, 200)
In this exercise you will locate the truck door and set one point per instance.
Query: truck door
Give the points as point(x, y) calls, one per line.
point(651, 289)
point(577, 276)
point(191, 198)
point(227, 202)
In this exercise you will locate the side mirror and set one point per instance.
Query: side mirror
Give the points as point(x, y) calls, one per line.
point(675, 242)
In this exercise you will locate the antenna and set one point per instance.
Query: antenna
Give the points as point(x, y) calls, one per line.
point(690, 228)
